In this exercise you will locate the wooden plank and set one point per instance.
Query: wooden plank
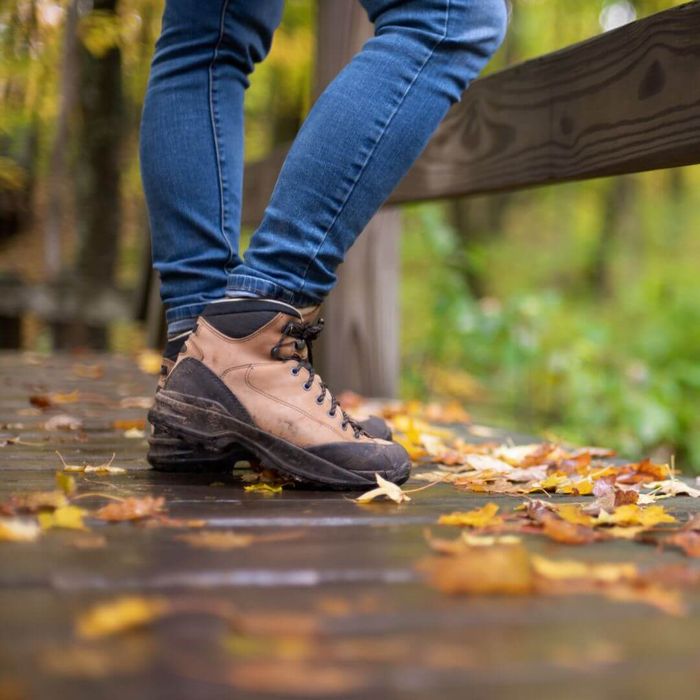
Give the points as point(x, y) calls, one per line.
point(359, 350)
point(625, 101)
point(344, 600)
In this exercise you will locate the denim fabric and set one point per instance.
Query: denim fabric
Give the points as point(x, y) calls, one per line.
point(359, 139)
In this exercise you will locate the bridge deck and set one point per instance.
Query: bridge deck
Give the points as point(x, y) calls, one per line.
point(336, 608)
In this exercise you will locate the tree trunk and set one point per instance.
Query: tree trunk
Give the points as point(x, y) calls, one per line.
point(97, 182)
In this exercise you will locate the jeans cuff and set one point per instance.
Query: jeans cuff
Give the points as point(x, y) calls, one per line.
point(267, 290)
point(182, 313)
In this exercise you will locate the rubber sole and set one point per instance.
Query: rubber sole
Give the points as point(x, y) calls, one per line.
point(167, 453)
point(205, 425)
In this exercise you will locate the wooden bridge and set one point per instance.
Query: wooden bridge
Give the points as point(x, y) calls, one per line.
point(340, 609)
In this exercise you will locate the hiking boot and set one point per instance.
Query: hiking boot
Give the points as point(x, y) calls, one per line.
point(169, 453)
point(245, 378)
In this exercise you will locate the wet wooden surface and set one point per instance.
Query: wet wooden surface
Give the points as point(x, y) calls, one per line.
point(338, 611)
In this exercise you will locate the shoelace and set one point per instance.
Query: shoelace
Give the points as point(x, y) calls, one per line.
point(302, 336)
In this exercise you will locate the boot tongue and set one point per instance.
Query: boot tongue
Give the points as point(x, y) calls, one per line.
point(238, 318)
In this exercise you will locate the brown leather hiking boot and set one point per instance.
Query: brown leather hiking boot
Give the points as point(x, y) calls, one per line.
point(245, 378)
point(169, 453)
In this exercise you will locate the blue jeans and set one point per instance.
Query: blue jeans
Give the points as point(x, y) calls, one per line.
point(359, 139)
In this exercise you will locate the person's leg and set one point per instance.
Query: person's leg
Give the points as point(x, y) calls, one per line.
point(192, 144)
point(361, 137)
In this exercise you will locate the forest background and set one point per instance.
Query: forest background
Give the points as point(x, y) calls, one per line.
point(570, 311)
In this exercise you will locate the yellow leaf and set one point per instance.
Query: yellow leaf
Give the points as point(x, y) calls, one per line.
point(499, 569)
point(571, 569)
point(66, 517)
point(481, 517)
point(573, 513)
point(18, 530)
point(387, 489)
point(582, 488)
point(550, 483)
point(120, 615)
point(632, 514)
point(149, 361)
point(263, 489)
point(65, 482)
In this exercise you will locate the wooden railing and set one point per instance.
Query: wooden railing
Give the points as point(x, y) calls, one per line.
point(625, 101)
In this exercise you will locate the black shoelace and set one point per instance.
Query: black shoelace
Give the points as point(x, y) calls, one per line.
point(301, 337)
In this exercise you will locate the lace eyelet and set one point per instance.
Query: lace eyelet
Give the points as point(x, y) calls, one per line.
point(295, 371)
point(307, 387)
point(331, 414)
point(344, 427)
point(320, 400)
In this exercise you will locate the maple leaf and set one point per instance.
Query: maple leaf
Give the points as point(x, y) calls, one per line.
point(131, 509)
point(120, 615)
point(565, 532)
point(573, 514)
point(385, 489)
point(673, 487)
point(18, 530)
point(564, 569)
point(499, 569)
point(632, 514)
point(65, 518)
point(478, 518)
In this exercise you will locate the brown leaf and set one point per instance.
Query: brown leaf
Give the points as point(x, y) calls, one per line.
point(131, 509)
point(36, 501)
point(688, 541)
point(567, 533)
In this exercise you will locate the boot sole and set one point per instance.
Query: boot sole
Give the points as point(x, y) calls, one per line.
point(167, 453)
point(206, 425)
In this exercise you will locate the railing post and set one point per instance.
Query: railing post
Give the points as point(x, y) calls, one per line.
point(360, 346)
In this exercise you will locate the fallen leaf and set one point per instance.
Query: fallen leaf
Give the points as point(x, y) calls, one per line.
point(263, 489)
point(149, 361)
point(65, 482)
point(18, 530)
point(387, 489)
point(673, 487)
point(120, 615)
point(688, 541)
point(633, 514)
point(130, 424)
point(566, 532)
point(134, 434)
point(500, 569)
point(563, 569)
point(573, 514)
point(478, 518)
point(66, 517)
point(63, 421)
point(213, 539)
point(99, 469)
point(37, 501)
point(131, 509)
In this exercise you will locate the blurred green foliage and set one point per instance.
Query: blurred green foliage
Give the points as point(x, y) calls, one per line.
point(570, 310)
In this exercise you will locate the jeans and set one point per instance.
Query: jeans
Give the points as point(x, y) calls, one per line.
point(359, 139)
